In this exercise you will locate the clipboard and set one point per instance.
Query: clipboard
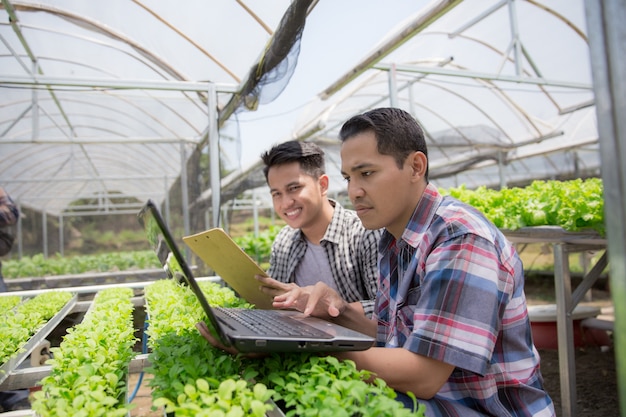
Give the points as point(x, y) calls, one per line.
point(220, 252)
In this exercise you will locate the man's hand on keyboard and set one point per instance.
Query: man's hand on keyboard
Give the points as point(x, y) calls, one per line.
point(317, 300)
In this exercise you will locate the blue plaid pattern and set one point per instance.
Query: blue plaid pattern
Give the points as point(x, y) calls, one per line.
point(452, 289)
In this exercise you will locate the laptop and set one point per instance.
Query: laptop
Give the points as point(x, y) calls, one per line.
point(264, 333)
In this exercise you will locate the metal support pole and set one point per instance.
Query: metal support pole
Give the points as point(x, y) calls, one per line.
point(61, 237)
point(214, 153)
point(565, 330)
point(607, 32)
point(255, 212)
point(517, 43)
point(184, 187)
point(35, 105)
point(393, 86)
point(44, 226)
point(20, 235)
point(501, 163)
point(166, 203)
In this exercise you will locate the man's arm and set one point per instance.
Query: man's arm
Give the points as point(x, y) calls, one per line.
point(318, 300)
point(402, 370)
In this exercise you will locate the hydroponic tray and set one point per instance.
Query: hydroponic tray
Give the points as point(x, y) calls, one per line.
point(36, 340)
point(554, 234)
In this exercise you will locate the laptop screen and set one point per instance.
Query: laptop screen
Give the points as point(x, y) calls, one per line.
point(173, 262)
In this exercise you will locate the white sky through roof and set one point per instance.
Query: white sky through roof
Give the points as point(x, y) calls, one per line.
point(85, 140)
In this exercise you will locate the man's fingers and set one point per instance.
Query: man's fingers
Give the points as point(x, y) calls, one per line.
point(205, 332)
point(333, 311)
point(272, 287)
point(313, 299)
point(269, 282)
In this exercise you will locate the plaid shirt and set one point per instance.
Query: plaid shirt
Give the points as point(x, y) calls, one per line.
point(452, 289)
point(352, 253)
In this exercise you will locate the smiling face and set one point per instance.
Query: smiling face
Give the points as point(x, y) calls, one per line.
point(298, 198)
point(383, 194)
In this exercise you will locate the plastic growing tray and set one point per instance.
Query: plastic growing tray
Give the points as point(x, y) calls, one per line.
point(36, 340)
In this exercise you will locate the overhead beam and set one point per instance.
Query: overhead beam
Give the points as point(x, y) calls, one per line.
point(482, 76)
point(97, 141)
point(421, 22)
point(105, 83)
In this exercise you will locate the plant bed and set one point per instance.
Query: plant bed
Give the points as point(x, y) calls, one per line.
point(575, 205)
point(26, 324)
point(190, 376)
point(89, 371)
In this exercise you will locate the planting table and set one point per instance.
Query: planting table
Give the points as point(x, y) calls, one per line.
point(36, 340)
point(563, 243)
point(567, 299)
point(15, 376)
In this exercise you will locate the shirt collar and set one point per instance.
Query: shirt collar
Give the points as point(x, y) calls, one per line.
point(421, 218)
point(331, 235)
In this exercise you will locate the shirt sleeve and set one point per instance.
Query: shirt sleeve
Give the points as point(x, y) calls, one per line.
point(369, 256)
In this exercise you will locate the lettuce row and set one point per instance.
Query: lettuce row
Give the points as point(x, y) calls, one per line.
point(190, 377)
point(575, 205)
point(19, 322)
point(90, 367)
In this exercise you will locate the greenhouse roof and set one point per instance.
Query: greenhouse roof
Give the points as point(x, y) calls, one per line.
point(105, 102)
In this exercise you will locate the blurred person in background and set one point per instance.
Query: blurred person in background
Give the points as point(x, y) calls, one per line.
point(9, 213)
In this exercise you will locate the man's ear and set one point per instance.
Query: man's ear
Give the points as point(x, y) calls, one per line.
point(323, 181)
point(419, 163)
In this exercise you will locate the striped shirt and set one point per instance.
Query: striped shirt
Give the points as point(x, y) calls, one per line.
point(352, 253)
point(452, 289)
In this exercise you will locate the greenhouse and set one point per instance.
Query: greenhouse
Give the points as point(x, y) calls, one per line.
point(104, 106)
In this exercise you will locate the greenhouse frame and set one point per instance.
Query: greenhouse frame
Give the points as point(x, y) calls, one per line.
point(104, 107)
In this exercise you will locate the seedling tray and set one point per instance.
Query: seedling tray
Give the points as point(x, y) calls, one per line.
point(36, 340)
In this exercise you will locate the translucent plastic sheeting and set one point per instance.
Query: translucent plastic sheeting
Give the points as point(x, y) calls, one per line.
point(107, 101)
point(502, 88)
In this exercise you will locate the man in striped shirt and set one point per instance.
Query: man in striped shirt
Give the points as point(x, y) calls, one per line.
point(450, 317)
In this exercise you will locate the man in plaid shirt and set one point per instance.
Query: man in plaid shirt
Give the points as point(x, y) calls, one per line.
point(450, 318)
point(322, 241)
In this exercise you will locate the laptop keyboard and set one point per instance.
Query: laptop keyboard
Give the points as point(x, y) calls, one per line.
point(267, 323)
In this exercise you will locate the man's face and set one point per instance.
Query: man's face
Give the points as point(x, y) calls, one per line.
point(382, 193)
point(297, 197)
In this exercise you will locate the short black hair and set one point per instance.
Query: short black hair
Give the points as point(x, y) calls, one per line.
point(309, 155)
point(397, 132)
